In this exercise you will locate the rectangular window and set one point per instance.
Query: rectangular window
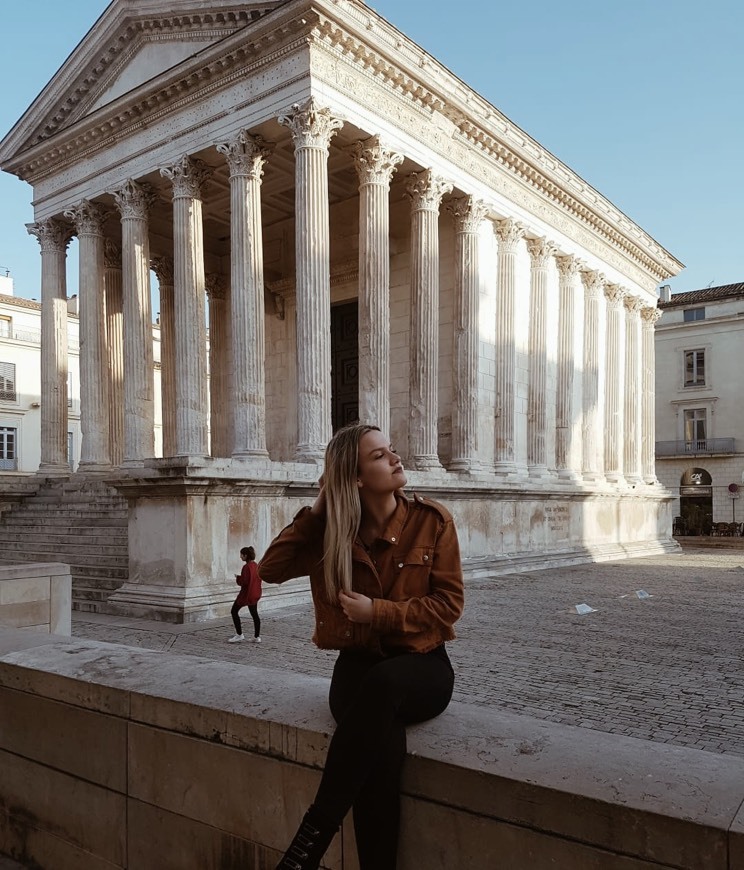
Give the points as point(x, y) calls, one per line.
point(8, 382)
point(69, 389)
point(695, 429)
point(6, 327)
point(691, 314)
point(694, 368)
point(8, 448)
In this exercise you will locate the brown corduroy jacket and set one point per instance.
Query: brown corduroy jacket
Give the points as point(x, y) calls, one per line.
point(413, 576)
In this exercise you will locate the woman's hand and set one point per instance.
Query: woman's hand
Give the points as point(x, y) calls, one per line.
point(356, 607)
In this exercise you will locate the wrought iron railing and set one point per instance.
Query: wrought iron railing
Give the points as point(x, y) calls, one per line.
point(696, 446)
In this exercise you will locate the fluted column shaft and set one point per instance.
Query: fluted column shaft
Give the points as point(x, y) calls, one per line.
point(591, 433)
point(375, 166)
point(312, 128)
point(246, 156)
point(53, 236)
point(568, 269)
point(468, 213)
point(95, 453)
point(613, 446)
point(509, 233)
point(425, 190)
point(163, 268)
point(133, 201)
point(632, 392)
point(540, 251)
point(219, 366)
point(115, 340)
point(189, 296)
point(649, 316)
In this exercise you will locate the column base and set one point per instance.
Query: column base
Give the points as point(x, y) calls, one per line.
point(52, 470)
point(538, 471)
point(614, 477)
point(568, 475)
point(427, 462)
point(592, 476)
point(94, 468)
point(466, 466)
point(504, 469)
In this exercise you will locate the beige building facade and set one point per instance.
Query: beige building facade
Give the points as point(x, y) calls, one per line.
point(363, 237)
point(700, 407)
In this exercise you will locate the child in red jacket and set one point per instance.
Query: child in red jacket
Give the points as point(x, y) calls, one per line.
point(249, 595)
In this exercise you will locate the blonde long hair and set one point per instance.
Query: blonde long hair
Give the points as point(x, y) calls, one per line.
point(343, 506)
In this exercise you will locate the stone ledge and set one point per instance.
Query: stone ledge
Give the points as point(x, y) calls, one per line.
point(499, 789)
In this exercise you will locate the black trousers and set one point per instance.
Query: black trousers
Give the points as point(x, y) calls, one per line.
point(253, 608)
point(372, 700)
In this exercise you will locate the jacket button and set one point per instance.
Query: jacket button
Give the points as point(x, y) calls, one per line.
point(321, 622)
point(400, 564)
point(426, 558)
point(348, 634)
point(392, 539)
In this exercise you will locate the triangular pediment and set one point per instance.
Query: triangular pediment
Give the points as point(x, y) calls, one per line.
point(132, 43)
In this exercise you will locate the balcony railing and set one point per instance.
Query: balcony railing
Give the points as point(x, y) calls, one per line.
point(696, 446)
point(31, 335)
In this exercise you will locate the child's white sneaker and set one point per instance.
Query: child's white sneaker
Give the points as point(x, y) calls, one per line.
point(237, 638)
point(256, 640)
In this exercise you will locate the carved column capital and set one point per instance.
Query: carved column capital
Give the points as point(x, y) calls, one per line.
point(188, 177)
point(468, 213)
point(53, 234)
point(568, 266)
point(215, 285)
point(649, 315)
point(508, 232)
point(246, 154)
point(426, 189)
point(87, 217)
point(540, 251)
point(163, 269)
point(374, 162)
point(632, 305)
point(134, 199)
point(311, 126)
point(593, 282)
point(111, 254)
point(614, 295)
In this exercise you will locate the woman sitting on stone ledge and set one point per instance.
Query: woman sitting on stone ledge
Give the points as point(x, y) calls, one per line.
point(387, 588)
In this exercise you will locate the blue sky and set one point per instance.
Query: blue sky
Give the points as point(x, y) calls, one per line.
point(642, 98)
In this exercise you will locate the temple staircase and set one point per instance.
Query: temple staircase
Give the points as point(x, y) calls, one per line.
point(79, 521)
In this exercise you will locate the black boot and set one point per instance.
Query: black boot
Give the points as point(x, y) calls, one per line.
point(310, 843)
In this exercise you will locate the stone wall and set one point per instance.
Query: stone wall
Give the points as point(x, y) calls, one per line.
point(37, 595)
point(115, 757)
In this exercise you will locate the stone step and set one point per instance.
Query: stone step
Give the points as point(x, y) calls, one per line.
point(68, 549)
point(16, 519)
point(94, 536)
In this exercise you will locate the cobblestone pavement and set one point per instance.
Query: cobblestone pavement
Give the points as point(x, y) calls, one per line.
point(667, 668)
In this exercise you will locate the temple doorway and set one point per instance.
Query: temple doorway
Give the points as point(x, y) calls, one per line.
point(344, 364)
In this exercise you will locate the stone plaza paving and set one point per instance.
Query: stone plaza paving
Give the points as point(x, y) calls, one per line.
point(665, 668)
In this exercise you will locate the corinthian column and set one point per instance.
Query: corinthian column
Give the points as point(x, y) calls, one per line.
point(189, 296)
point(375, 166)
point(568, 269)
point(425, 190)
point(540, 251)
point(613, 451)
point(649, 316)
point(591, 431)
point(246, 156)
point(632, 408)
point(115, 340)
point(468, 213)
point(53, 236)
point(95, 454)
point(509, 233)
point(133, 201)
point(163, 269)
point(220, 416)
point(312, 129)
